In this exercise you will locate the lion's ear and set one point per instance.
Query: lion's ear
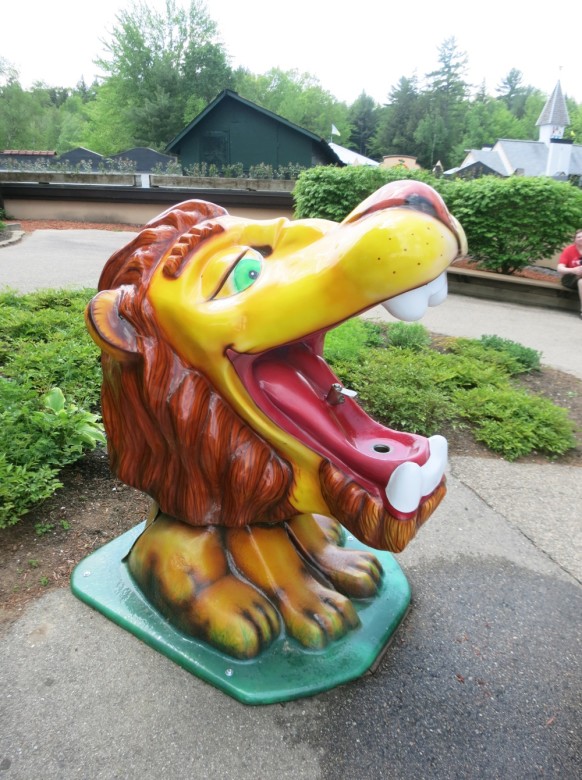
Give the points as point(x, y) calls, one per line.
point(108, 329)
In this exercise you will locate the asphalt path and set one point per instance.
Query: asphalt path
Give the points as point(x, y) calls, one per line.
point(482, 681)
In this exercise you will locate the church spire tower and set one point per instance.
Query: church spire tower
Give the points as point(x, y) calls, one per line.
point(554, 117)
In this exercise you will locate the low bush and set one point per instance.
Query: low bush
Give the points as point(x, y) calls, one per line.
point(406, 335)
point(50, 381)
point(328, 192)
point(514, 422)
point(464, 382)
point(350, 340)
point(49, 389)
point(529, 359)
point(511, 223)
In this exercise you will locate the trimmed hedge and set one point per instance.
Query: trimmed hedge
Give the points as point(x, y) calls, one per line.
point(509, 223)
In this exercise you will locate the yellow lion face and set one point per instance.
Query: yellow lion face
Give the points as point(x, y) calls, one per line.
point(248, 303)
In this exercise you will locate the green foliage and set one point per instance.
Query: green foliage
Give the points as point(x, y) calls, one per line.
point(327, 192)
point(505, 355)
point(515, 423)
point(529, 359)
point(408, 335)
point(44, 343)
point(43, 528)
point(261, 171)
point(511, 223)
point(397, 122)
point(397, 389)
point(421, 387)
point(49, 379)
point(349, 341)
point(363, 115)
point(298, 97)
point(162, 68)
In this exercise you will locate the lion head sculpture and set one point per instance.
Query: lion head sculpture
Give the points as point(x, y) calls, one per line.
point(217, 401)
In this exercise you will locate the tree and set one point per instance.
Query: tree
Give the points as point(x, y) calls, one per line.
point(440, 130)
point(8, 73)
point(73, 124)
point(162, 68)
point(486, 121)
point(513, 93)
point(28, 119)
point(298, 97)
point(398, 120)
point(363, 117)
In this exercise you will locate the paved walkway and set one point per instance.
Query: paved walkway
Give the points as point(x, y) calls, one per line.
point(483, 680)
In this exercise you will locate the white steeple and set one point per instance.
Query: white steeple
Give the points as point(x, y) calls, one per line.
point(554, 117)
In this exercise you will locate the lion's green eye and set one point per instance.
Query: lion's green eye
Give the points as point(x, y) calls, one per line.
point(246, 272)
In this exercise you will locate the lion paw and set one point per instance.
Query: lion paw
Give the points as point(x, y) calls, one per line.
point(184, 572)
point(235, 617)
point(355, 573)
point(313, 614)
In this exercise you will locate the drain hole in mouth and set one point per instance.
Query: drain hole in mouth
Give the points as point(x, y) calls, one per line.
point(381, 448)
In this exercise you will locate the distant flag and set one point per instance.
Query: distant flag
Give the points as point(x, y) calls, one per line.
point(334, 130)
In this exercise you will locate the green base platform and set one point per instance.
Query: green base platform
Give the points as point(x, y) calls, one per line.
point(285, 671)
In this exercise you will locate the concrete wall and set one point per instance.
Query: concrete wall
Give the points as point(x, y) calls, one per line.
point(116, 213)
point(134, 204)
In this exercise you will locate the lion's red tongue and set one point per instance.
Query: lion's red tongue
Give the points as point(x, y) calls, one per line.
point(292, 386)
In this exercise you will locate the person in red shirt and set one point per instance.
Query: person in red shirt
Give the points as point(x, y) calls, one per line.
point(570, 266)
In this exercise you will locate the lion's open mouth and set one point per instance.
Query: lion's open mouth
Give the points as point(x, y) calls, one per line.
point(294, 386)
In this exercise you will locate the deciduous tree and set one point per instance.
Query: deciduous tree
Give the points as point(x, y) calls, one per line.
point(162, 68)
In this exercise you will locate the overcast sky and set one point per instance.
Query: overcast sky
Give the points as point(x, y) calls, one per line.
point(351, 47)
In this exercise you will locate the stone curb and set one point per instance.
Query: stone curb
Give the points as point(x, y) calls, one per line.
point(10, 237)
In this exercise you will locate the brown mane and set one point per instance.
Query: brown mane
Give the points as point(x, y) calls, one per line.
point(169, 432)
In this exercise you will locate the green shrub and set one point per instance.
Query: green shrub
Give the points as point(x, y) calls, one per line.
point(38, 436)
point(408, 335)
point(511, 223)
point(398, 389)
point(44, 343)
point(527, 358)
point(514, 423)
point(351, 338)
point(49, 388)
point(331, 193)
point(261, 171)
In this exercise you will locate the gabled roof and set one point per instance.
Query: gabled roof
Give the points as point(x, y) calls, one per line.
point(473, 170)
point(508, 156)
point(144, 158)
point(228, 94)
point(527, 156)
point(555, 112)
point(349, 157)
point(81, 151)
point(531, 158)
point(486, 157)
